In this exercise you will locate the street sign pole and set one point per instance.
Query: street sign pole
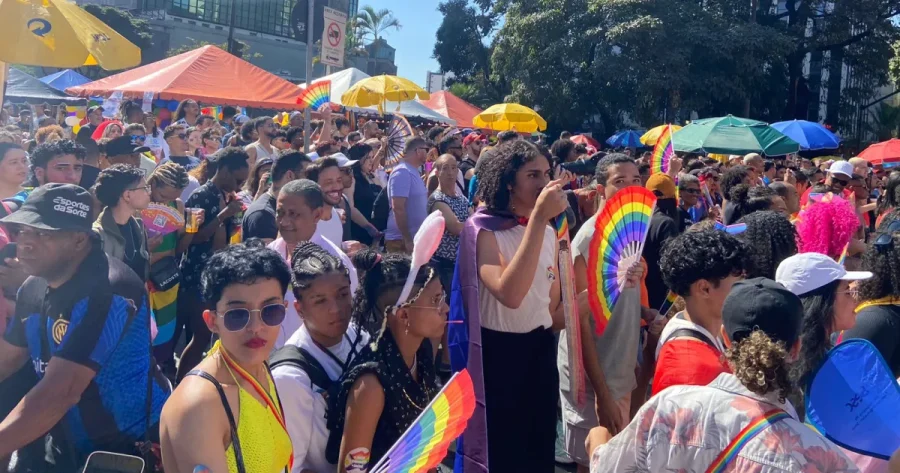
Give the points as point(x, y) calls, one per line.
point(307, 117)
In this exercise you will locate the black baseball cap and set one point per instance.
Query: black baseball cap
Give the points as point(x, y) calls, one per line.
point(95, 108)
point(762, 304)
point(55, 207)
point(125, 144)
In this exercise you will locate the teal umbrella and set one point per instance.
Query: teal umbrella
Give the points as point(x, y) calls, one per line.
point(733, 135)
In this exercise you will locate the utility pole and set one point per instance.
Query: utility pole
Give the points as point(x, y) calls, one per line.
point(230, 42)
point(307, 116)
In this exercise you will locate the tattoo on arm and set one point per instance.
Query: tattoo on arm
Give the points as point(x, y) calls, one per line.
point(357, 460)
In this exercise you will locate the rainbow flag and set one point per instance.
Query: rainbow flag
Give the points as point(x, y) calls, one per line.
point(667, 304)
point(662, 152)
point(424, 444)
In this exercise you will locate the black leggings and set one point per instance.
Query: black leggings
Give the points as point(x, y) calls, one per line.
point(521, 385)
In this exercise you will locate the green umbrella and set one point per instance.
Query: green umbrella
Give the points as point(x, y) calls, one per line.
point(733, 135)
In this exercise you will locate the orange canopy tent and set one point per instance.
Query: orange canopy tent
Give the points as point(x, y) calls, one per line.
point(207, 74)
point(453, 107)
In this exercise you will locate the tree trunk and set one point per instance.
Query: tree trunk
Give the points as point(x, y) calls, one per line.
point(835, 76)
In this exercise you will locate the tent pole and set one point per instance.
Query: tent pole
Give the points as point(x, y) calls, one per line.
point(307, 116)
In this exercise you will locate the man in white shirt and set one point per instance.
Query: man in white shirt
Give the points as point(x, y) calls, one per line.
point(327, 173)
point(297, 212)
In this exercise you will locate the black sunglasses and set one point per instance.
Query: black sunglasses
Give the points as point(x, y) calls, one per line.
point(238, 319)
point(690, 191)
point(840, 181)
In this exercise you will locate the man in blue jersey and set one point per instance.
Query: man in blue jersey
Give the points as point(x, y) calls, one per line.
point(82, 321)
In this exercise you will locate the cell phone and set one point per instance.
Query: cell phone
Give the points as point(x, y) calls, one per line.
point(8, 251)
point(108, 462)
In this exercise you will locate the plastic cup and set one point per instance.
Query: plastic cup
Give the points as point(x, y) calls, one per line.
point(192, 222)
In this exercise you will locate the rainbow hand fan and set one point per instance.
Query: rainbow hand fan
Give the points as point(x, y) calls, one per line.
point(662, 152)
point(570, 311)
point(425, 443)
point(619, 235)
point(315, 95)
point(161, 219)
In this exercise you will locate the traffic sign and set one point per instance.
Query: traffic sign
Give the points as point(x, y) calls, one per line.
point(333, 37)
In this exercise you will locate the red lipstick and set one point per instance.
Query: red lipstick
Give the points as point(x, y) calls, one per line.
point(255, 343)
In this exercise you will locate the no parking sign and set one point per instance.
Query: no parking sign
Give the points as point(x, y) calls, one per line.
point(333, 36)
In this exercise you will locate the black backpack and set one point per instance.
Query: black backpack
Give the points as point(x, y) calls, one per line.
point(381, 210)
point(296, 356)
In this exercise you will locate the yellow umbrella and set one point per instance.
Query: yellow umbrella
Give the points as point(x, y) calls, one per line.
point(652, 135)
point(56, 33)
point(379, 89)
point(508, 116)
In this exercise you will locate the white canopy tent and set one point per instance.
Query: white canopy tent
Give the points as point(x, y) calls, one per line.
point(343, 80)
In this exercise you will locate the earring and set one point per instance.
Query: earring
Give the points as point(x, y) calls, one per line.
point(407, 327)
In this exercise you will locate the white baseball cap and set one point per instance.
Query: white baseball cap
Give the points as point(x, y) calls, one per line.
point(841, 167)
point(343, 161)
point(807, 272)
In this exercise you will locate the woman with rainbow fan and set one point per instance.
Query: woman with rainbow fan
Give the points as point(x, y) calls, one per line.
point(226, 415)
point(392, 379)
point(739, 422)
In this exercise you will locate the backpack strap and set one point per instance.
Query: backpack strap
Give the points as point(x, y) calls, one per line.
point(749, 432)
point(238, 456)
point(691, 333)
point(295, 356)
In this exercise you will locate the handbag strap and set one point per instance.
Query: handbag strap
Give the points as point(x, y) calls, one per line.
point(238, 456)
point(751, 430)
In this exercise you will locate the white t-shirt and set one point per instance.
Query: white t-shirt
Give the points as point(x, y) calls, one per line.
point(292, 320)
point(331, 229)
point(193, 184)
point(304, 404)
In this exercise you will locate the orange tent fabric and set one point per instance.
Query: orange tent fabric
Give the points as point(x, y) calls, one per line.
point(453, 107)
point(207, 74)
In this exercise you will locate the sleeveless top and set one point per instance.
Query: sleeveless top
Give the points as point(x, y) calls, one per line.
point(404, 397)
point(265, 446)
point(534, 311)
point(261, 152)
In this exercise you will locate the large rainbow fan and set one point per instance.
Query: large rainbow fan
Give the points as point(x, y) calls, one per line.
point(315, 95)
point(425, 442)
point(398, 133)
point(662, 152)
point(619, 235)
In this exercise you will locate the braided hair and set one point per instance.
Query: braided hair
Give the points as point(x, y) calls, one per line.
point(169, 174)
point(381, 281)
point(310, 261)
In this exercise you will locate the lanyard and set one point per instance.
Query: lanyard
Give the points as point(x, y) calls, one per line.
point(274, 405)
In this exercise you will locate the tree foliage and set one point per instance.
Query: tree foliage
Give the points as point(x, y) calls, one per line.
point(895, 64)
point(371, 24)
point(602, 64)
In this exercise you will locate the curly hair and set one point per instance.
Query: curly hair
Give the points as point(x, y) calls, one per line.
point(770, 238)
point(712, 255)
point(818, 318)
point(169, 174)
point(245, 263)
point(44, 153)
point(113, 181)
point(883, 262)
point(498, 174)
point(827, 227)
point(761, 365)
point(381, 280)
point(310, 261)
point(44, 133)
point(747, 200)
point(733, 177)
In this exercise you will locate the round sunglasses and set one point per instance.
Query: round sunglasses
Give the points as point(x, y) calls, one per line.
point(238, 319)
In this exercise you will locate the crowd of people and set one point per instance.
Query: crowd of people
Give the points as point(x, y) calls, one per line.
point(270, 330)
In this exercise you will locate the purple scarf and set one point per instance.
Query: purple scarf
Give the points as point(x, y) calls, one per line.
point(465, 339)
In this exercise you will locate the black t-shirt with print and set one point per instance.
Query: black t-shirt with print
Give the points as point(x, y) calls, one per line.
point(880, 325)
point(209, 198)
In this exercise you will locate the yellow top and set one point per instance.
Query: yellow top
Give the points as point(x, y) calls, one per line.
point(265, 445)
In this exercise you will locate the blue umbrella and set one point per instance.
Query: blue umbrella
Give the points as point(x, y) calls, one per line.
point(626, 139)
point(810, 135)
point(64, 79)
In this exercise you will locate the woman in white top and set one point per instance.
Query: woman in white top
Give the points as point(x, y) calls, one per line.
point(519, 299)
point(327, 342)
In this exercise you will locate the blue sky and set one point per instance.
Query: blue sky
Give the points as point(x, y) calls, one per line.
point(415, 40)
